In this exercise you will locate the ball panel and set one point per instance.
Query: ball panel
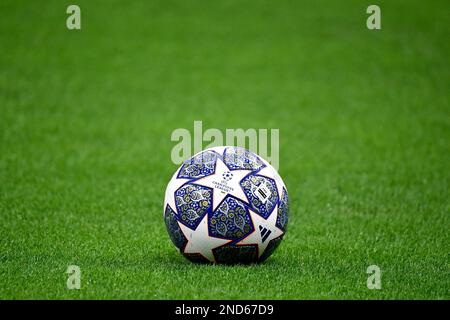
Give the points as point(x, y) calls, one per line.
point(273, 244)
point(261, 192)
point(192, 202)
point(175, 233)
point(240, 158)
point(283, 212)
point(233, 254)
point(200, 165)
point(230, 220)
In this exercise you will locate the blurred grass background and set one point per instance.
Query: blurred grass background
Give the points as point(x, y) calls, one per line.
point(86, 118)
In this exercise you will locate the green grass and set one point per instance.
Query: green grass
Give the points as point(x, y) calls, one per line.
point(86, 118)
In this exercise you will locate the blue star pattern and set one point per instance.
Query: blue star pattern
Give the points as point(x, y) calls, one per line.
point(283, 211)
point(192, 203)
point(177, 237)
point(261, 193)
point(240, 158)
point(199, 166)
point(230, 220)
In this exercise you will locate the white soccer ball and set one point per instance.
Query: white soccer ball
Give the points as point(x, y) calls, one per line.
point(226, 205)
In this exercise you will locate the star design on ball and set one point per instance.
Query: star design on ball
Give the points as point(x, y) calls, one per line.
point(221, 186)
point(265, 231)
point(199, 240)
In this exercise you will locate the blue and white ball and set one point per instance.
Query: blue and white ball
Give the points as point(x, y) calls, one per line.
point(226, 205)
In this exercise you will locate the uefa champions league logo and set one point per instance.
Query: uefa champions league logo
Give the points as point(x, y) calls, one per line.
point(227, 176)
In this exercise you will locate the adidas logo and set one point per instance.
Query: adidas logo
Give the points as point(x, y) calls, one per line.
point(264, 233)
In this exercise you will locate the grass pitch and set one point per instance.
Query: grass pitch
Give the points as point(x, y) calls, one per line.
point(86, 118)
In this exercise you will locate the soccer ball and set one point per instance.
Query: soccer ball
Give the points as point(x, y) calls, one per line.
point(226, 205)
